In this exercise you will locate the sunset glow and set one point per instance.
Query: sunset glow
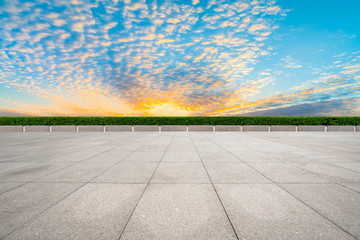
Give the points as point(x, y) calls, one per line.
point(179, 57)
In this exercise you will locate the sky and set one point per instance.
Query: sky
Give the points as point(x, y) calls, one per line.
point(179, 57)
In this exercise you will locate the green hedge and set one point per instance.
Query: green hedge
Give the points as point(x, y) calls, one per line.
point(179, 120)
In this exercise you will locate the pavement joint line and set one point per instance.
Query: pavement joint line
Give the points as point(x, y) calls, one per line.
point(217, 194)
point(288, 192)
point(82, 185)
point(147, 185)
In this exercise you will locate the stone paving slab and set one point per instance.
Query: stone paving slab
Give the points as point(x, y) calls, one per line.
point(180, 172)
point(193, 210)
point(159, 185)
point(233, 172)
point(181, 156)
point(265, 211)
point(128, 172)
point(340, 205)
point(6, 186)
point(96, 211)
point(24, 203)
point(285, 173)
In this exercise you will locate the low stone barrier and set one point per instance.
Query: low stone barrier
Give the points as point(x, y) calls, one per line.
point(118, 128)
point(201, 128)
point(36, 128)
point(178, 128)
point(173, 128)
point(11, 128)
point(341, 128)
point(310, 128)
point(283, 128)
point(63, 128)
point(256, 128)
point(146, 128)
point(90, 128)
point(228, 128)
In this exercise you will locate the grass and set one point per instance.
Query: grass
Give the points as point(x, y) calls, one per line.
point(179, 120)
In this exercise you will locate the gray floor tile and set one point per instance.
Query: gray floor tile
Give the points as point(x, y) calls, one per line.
point(265, 211)
point(233, 172)
point(23, 203)
point(350, 166)
point(354, 186)
point(283, 172)
point(79, 172)
point(33, 171)
point(217, 156)
point(96, 211)
point(6, 186)
point(339, 204)
point(330, 172)
point(8, 166)
point(181, 156)
point(180, 172)
point(179, 212)
point(128, 172)
point(144, 156)
point(254, 157)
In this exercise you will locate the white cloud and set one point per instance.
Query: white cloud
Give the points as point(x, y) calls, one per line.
point(256, 27)
point(78, 27)
point(194, 2)
point(59, 22)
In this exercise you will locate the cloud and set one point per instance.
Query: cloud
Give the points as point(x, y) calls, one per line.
point(256, 27)
point(136, 58)
point(340, 107)
point(59, 22)
point(78, 27)
point(194, 2)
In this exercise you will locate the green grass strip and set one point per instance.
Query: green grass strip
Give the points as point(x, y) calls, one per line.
point(179, 120)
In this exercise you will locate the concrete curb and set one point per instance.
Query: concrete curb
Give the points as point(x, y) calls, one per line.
point(256, 128)
point(178, 128)
point(228, 128)
point(341, 128)
point(173, 128)
point(201, 128)
point(63, 128)
point(283, 128)
point(118, 128)
point(90, 128)
point(146, 128)
point(311, 128)
point(11, 128)
point(36, 128)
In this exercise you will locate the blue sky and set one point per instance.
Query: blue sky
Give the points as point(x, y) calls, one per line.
point(196, 57)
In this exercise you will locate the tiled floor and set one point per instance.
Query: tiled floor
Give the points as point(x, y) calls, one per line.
point(200, 185)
